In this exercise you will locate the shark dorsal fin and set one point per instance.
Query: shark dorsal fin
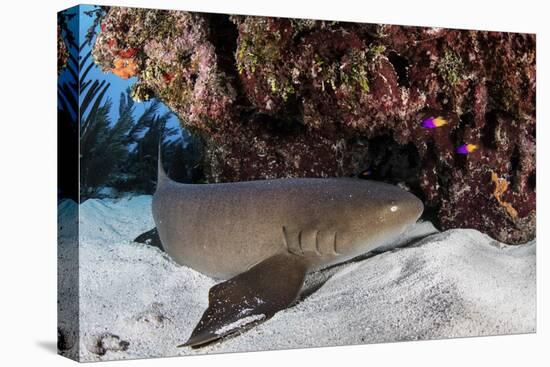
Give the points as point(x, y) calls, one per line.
point(162, 177)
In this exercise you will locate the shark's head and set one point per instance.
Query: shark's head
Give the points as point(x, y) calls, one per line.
point(378, 216)
point(401, 209)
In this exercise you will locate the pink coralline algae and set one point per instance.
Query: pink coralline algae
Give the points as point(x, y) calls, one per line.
point(275, 97)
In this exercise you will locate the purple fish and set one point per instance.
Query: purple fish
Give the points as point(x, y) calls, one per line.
point(466, 148)
point(434, 122)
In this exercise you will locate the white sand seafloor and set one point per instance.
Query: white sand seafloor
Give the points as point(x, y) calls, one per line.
point(135, 302)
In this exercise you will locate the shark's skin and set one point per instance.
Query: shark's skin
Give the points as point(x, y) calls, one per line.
point(266, 235)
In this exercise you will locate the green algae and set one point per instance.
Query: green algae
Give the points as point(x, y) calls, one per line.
point(451, 68)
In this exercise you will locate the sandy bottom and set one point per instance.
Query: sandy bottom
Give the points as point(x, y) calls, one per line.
point(135, 302)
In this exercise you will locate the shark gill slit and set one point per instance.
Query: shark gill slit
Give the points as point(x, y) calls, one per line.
point(334, 244)
point(300, 245)
point(287, 242)
point(317, 251)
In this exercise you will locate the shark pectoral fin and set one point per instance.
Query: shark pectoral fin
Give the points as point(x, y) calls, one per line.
point(249, 298)
point(150, 238)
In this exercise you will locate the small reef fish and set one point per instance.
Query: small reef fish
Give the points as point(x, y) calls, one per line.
point(432, 123)
point(466, 148)
point(366, 173)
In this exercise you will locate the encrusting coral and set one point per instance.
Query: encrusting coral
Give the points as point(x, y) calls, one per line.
point(170, 54)
point(501, 185)
point(275, 97)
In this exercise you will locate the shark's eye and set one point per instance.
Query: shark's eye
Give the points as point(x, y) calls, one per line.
point(393, 208)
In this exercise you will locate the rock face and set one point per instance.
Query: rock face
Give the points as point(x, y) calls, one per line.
point(275, 97)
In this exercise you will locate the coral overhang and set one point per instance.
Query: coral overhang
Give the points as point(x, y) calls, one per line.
point(276, 97)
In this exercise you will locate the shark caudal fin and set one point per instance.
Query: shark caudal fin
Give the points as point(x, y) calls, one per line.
point(162, 178)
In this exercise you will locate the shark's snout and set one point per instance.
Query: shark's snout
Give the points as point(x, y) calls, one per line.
point(413, 207)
